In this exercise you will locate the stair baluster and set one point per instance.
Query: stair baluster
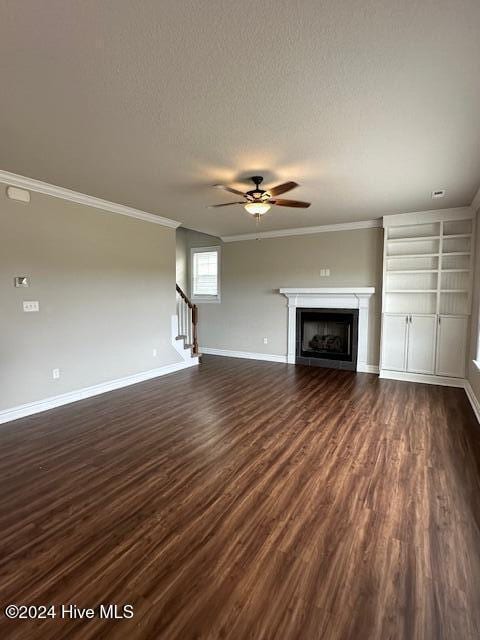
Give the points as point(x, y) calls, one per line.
point(187, 314)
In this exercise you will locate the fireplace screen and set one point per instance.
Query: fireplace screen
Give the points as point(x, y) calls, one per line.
point(327, 337)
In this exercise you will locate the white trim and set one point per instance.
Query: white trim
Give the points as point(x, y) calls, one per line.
point(476, 201)
point(423, 378)
point(473, 399)
point(269, 357)
point(206, 299)
point(316, 292)
point(301, 231)
point(81, 198)
point(31, 408)
point(368, 368)
point(424, 217)
point(476, 363)
point(329, 298)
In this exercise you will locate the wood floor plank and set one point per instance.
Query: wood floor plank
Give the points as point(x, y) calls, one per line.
point(245, 500)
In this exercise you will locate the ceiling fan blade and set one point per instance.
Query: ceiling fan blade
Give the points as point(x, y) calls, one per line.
point(282, 188)
point(235, 191)
point(291, 203)
point(225, 204)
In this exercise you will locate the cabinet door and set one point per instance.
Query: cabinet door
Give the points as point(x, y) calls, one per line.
point(394, 342)
point(451, 346)
point(421, 344)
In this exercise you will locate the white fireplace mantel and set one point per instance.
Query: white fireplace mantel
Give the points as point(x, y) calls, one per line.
point(330, 298)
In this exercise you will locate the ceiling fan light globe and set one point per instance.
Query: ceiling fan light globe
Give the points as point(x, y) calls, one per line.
point(257, 208)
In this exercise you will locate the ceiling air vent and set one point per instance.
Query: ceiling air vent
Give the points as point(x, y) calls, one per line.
point(439, 193)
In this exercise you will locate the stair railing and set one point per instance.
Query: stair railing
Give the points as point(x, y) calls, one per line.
point(187, 314)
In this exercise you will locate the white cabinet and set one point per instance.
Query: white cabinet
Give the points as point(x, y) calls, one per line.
point(394, 341)
point(408, 343)
point(421, 344)
point(451, 346)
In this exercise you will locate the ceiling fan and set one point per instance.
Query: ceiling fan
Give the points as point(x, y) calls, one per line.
point(258, 201)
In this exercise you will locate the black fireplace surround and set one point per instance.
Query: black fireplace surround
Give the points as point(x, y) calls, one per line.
point(327, 338)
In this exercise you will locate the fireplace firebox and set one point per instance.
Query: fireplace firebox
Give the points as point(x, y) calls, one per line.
point(327, 338)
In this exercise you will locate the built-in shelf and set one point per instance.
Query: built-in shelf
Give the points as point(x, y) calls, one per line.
point(413, 270)
point(415, 255)
point(453, 290)
point(416, 239)
point(458, 235)
point(411, 291)
point(456, 253)
point(427, 274)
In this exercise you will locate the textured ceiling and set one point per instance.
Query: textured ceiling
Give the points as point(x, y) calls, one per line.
point(369, 105)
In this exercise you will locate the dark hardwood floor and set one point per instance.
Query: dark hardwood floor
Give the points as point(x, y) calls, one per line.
point(247, 500)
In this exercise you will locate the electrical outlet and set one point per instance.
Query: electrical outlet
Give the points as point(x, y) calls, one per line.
point(154, 353)
point(55, 374)
point(324, 273)
point(265, 341)
point(30, 306)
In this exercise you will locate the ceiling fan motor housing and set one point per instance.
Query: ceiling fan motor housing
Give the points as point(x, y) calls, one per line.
point(257, 193)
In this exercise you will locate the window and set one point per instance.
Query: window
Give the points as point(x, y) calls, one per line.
point(205, 272)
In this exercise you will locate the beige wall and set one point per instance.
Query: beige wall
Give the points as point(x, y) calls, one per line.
point(253, 271)
point(181, 258)
point(473, 372)
point(106, 287)
point(186, 240)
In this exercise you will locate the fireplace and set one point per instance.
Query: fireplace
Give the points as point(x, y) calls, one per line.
point(327, 337)
point(353, 300)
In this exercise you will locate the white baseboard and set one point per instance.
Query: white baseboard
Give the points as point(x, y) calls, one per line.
point(473, 399)
point(31, 408)
point(243, 354)
point(423, 378)
point(269, 357)
point(363, 367)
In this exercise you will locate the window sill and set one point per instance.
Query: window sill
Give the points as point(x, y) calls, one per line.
point(197, 300)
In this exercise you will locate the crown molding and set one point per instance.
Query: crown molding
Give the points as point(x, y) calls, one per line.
point(303, 231)
point(38, 186)
point(476, 201)
point(432, 215)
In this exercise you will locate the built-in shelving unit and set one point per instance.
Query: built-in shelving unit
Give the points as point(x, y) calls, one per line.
point(431, 260)
point(427, 273)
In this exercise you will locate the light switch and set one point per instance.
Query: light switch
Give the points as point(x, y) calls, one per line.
point(22, 281)
point(29, 306)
